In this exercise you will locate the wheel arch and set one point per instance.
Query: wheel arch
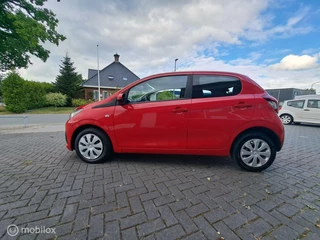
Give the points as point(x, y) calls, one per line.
point(273, 136)
point(81, 128)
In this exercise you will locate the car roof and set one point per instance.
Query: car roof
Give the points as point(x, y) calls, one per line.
point(314, 96)
point(198, 72)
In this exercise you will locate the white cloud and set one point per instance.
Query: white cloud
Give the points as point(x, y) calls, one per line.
point(260, 73)
point(143, 32)
point(295, 62)
point(261, 29)
point(150, 34)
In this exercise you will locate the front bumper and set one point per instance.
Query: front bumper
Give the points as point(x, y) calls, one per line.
point(68, 135)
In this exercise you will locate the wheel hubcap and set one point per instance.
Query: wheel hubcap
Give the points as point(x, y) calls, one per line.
point(285, 119)
point(90, 146)
point(255, 153)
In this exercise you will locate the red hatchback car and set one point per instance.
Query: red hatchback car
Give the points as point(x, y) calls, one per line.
point(196, 113)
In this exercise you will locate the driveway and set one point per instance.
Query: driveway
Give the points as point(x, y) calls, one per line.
point(158, 197)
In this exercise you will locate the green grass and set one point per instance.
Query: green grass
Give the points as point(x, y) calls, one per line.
point(45, 110)
point(3, 110)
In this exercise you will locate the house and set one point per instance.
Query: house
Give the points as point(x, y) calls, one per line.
point(283, 94)
point(112, 78)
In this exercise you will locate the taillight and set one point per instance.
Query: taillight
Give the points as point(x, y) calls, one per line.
point(272, 101)
point(274, 105)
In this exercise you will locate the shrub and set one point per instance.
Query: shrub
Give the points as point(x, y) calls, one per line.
point(56, 99)
point(78, 102)
point(47, 87)
point(35, 95)
point(13, 91)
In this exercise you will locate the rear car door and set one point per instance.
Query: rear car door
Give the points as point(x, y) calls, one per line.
point(311, 112)
point(217, 110)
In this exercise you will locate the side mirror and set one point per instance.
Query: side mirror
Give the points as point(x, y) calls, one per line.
point(120, 98)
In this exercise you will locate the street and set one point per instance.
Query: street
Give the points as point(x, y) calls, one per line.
point(159, 197)
point(11, 120)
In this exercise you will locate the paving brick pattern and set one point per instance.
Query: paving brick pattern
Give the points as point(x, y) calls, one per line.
point(159, 197)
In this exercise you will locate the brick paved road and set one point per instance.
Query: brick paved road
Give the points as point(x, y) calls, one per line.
point(159, 197)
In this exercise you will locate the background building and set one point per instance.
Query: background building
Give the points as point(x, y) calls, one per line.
point(283, 94)
point(112, 78)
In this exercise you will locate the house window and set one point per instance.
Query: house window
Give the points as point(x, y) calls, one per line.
point(105, 94)
point(96, 95)
point(110, 77)
point(125, 79)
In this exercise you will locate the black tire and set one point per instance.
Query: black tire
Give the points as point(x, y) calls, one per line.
point(286, 119)
point(97, 143)
point(240, 151)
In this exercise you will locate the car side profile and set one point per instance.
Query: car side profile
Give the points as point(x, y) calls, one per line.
point(194, 113)
point(302, 109)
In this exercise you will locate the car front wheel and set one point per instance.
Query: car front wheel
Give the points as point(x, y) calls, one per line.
point(93, 146)
point(254, 152)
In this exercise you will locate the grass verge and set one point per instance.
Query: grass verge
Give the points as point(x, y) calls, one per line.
point(45, 110)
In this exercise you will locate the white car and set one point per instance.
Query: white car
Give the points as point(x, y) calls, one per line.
point(301, 109)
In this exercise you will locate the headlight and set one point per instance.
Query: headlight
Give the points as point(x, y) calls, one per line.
point(75, 113)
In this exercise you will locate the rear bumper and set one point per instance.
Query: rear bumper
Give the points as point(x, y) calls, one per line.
point(282, 136)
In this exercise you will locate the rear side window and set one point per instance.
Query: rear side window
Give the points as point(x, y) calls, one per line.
point(296, 104)
point(312, 103)
point(205, 86)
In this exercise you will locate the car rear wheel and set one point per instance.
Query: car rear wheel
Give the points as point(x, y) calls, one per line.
point(254, 152)
point(286, 119)
point(93, 146)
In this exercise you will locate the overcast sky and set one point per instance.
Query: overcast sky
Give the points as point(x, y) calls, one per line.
point(275, 42)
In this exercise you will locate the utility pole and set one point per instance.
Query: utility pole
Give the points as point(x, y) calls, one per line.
point(312, 86)
point(175, 64)
point(98, 73)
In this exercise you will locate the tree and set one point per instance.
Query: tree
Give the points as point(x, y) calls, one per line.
point(24, 26)
point(69, 81)
point(310, 90)
point(1, 77)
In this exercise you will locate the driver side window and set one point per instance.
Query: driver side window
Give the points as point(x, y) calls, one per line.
point(159, 89)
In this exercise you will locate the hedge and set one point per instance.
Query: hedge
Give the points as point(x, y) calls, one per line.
point(20, 95)
point(76, 102)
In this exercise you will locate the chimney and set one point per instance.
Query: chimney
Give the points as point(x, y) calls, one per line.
point(116, 57)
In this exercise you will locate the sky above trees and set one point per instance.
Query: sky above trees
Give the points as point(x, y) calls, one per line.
point(275, 42)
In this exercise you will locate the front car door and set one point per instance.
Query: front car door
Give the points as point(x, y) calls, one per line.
point(155, 115)
point(311, 112)
point(217, 110)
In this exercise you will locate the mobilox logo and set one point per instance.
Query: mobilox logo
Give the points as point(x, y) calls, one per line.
point(12, 230)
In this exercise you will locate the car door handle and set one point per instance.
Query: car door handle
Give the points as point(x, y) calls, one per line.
point(179, 110)
point(306, 109)
point(242, 105)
